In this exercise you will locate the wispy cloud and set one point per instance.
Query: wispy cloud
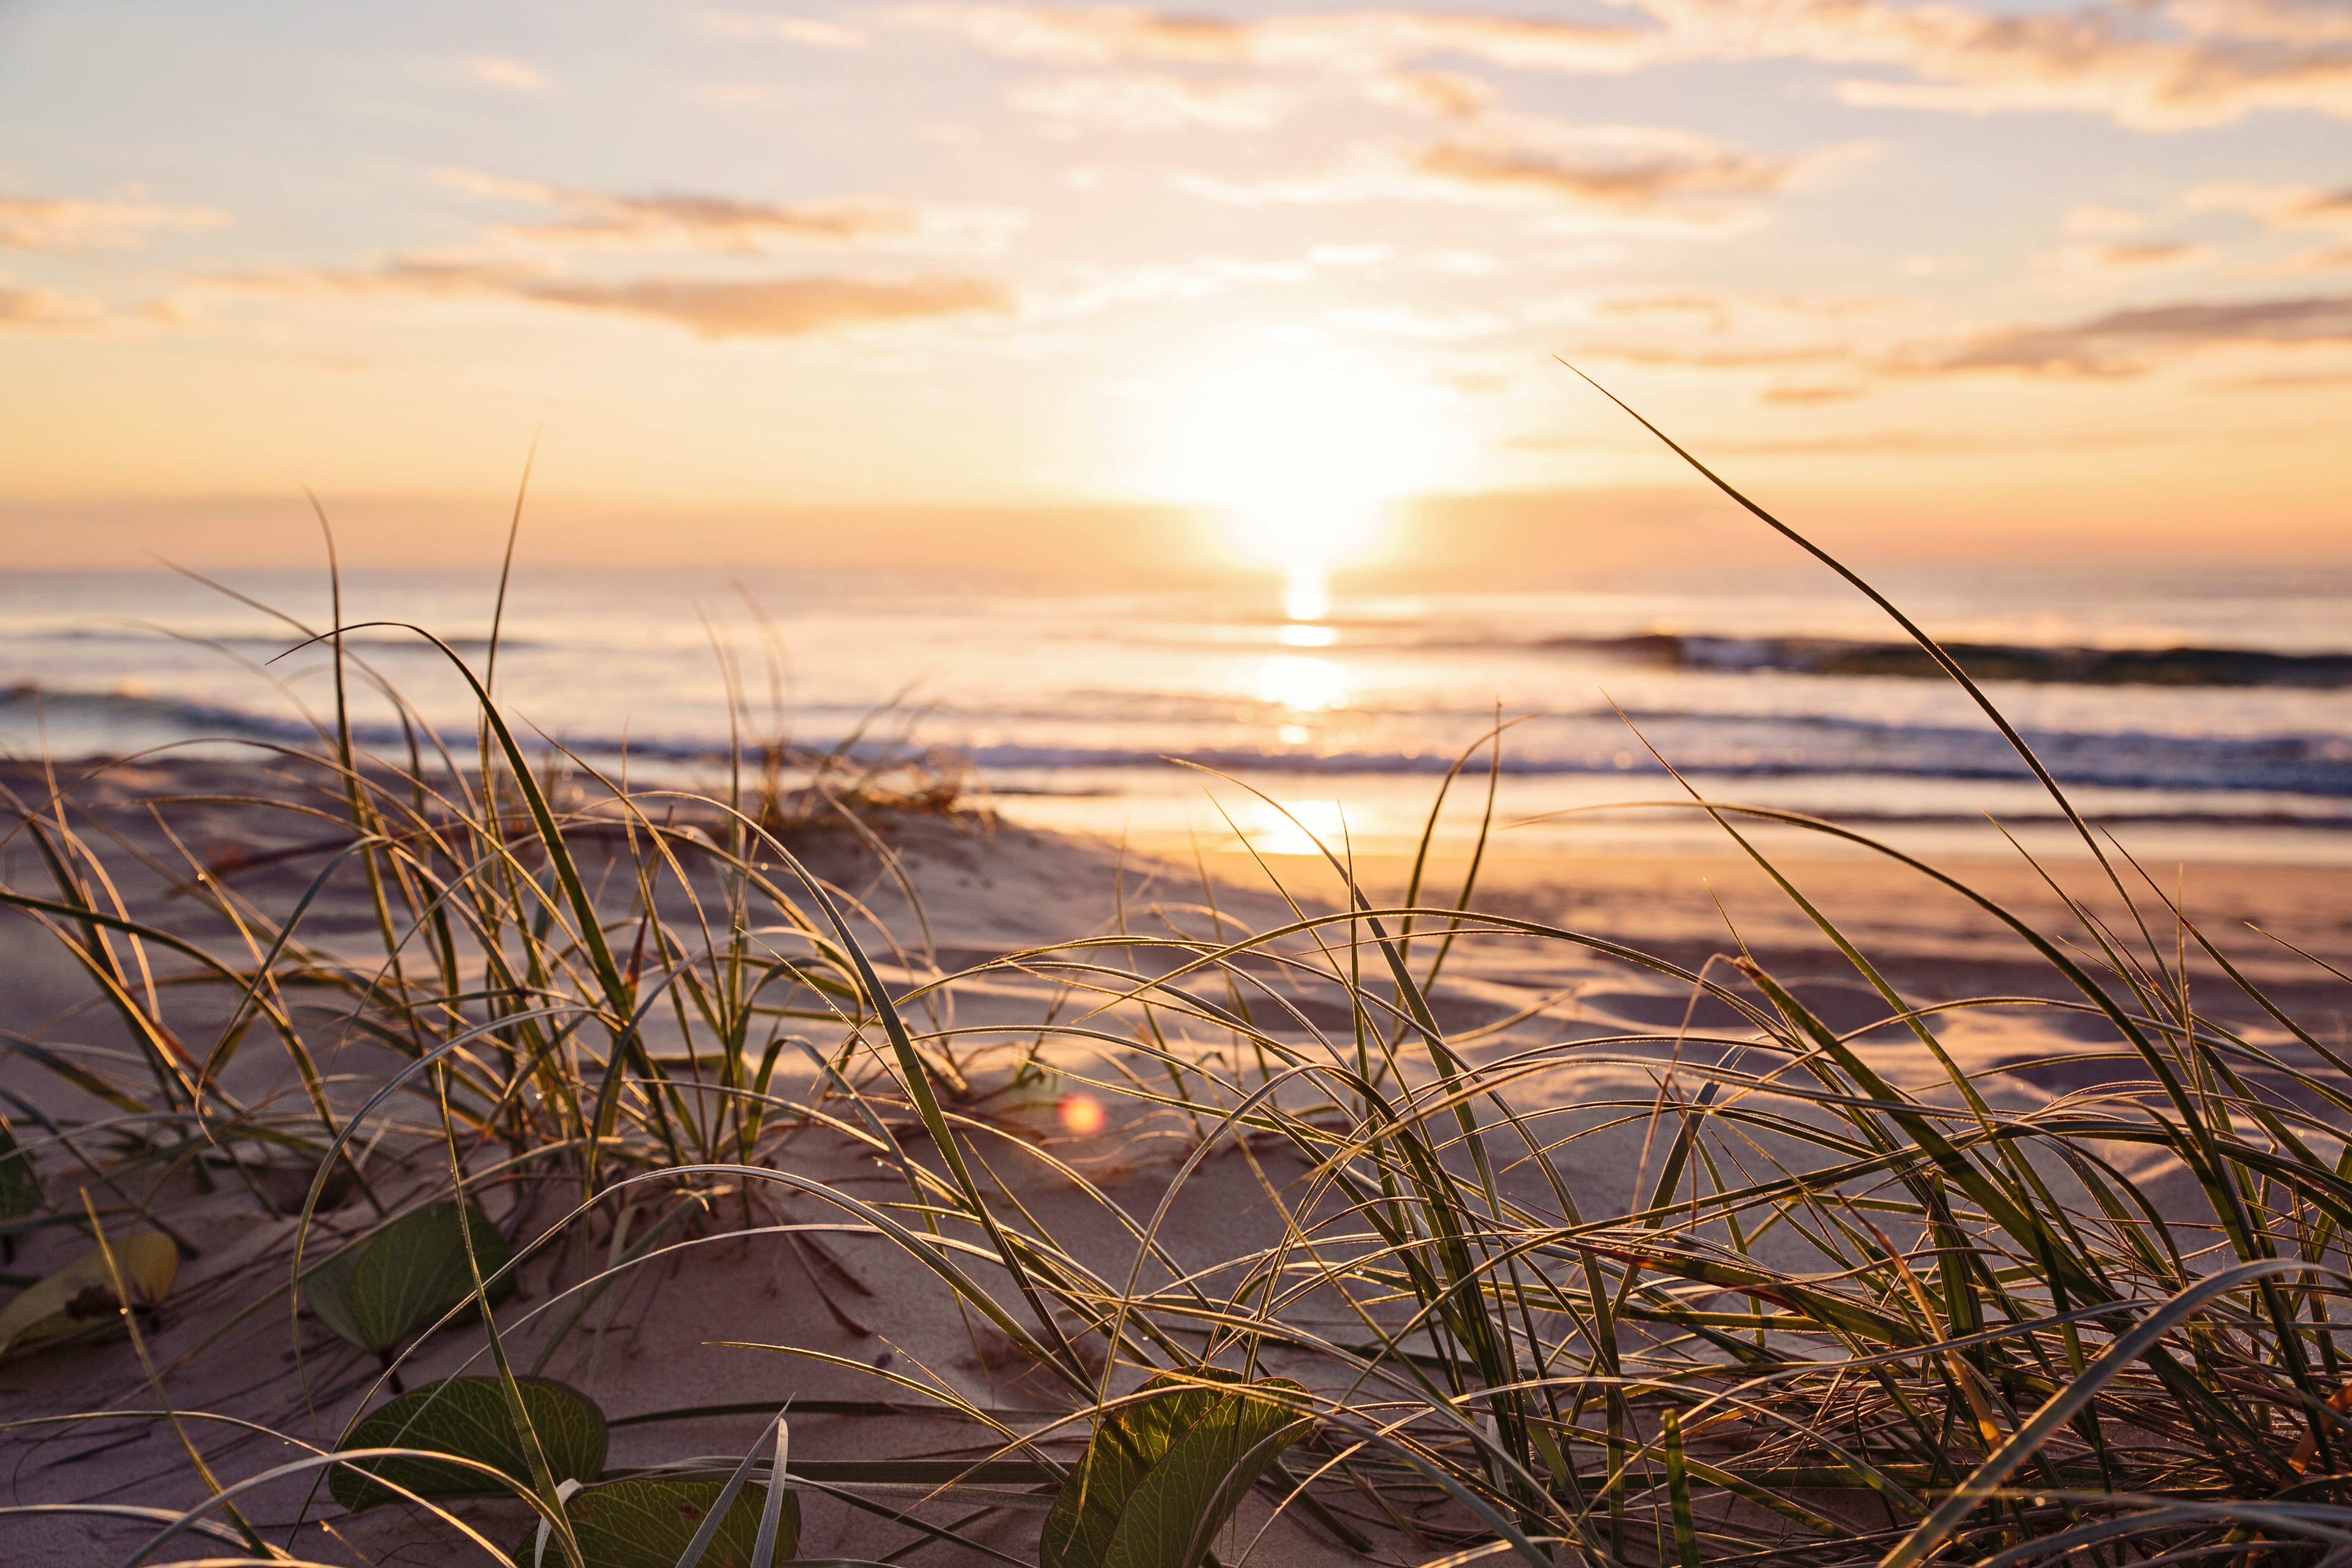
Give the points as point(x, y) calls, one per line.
point(2108, 260)
point(1142, 101)
point(1598, 178)
point(594, 220)
point(709, 307)
point(1360, 41)
point(2150, 66)
point(2154, 65)
point(1625, 179)
point(507, 74)
point(2130, 342)
point(33, 223)
point(1440, 95)
point(784, 307)
point(47, 312)
point(806, 31)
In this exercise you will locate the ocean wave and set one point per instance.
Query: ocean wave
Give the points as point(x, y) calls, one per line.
point(1713, 744)
point(1983, 662)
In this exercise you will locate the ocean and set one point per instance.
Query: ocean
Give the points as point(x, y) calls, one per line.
point(2197, 715)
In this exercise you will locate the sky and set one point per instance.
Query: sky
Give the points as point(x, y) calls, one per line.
point(864, 282)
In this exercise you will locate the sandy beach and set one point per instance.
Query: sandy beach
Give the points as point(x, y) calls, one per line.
point(873, 1326)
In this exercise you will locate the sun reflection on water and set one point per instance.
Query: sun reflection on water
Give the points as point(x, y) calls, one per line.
point(1301, 684)
point(1272, 832)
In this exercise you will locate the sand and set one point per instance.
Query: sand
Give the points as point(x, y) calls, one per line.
point(856, 1297)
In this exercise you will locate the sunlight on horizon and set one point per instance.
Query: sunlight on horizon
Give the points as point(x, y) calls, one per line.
point(1303, 456)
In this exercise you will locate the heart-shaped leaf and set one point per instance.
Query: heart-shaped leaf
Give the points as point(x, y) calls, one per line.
point(407, 1275)
point(20, 1186)
point(81, 1294)
point(647, 1522)
point(1164, 1474)
point(468, 1417)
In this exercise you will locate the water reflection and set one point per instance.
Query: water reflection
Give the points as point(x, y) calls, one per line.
point(1272, 832)
point(1302, 684)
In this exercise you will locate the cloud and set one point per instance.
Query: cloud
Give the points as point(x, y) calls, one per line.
point(1616, 178)
point(47, 312)
point(2288, 207)
point(31, 223)
point(1138, 102)
point(1808, 393)
point(1439, 95)
point(780, 308)
point(722, 225)
point(803, 30)
point(2291, 209)
point(2129, 342)
point(1358, 41)
point(710, 308)
point(1637, 180)
point(514, 76)
point(2108, 259)
point(2149, 64)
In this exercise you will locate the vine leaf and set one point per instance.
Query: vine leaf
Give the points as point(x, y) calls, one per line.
point(407, 1275)
point(1164, 1474)
point(81, 1295)
point(647, 1522)
point(467, 1417)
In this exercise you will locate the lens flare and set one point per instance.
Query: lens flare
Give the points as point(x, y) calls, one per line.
point(1082, 1115)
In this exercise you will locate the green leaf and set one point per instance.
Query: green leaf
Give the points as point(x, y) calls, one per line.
point(647, 1522)
point(20, 1184)
point(1164, 1474)
point(468, 1417)
point(407, 1275)
point(329, 1294)
point(81, 1295)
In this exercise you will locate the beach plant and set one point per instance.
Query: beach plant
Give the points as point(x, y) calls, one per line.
point(467, 1417)
point(411, 1273)
point(1165, 1471)
point(1828, 1313)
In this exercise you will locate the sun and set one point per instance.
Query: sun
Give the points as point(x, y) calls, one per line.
point(1303, 455)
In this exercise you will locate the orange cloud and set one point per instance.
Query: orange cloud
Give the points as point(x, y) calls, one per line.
point(1611, 178)
point(1440, 95)
point(47, 310)
point(2145, 66)
point(513, 76)
point(2129, 342)
point(709, 307)
point(2118, 258)
point(32, 223)
point(1365, 41)
point(803, 30)
point(1637, 182)
point(780, 308)
point(2152, 66)
point(705, 224)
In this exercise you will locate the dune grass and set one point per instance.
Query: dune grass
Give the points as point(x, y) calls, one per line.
point(1995, 1346)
